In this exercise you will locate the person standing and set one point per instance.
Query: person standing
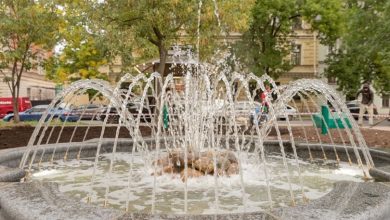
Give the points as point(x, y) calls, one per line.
point(366, 104)
point(265, 99)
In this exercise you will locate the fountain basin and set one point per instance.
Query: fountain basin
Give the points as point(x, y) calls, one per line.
point(15, 197)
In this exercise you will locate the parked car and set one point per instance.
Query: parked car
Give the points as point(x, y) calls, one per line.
point(133, 108)
point(290, 111)
point(245, 113)
point(354, 107)
point(87, 112)
point(6, 106)
point(243, 109)
point(35, 113)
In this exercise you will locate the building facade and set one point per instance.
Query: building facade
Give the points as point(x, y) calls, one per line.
point(33, 83)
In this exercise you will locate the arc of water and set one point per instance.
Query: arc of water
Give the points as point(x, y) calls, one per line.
point(259, 133)
point(293, 147)
point(78, 122)
point(216, 13)
point(99, 86)
point(41, 138)
point(342, 139)
point(341, 107)
point(30, 144)
point(64, 122)
point(187, 137)
point(134, 132)
point(42, 135)
point(316, 130)
point(357, 154)
point(279, 108)
point(198, 31)
point(322, 119)
point(95, 114)
point(303, 128)
point(337, 103)
point(327, 127)
point(141, 148)
point(42, 120)
point(238, 147)
point(302, 85)
point(63, 125)
point(260, 85)
point(158, 136)
point(355, 128)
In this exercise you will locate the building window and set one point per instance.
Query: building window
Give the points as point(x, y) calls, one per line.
point(29, 93)
point(297, 23)
point(296, 55)
point(39, 64)
point(386, 101)
point(331, 80)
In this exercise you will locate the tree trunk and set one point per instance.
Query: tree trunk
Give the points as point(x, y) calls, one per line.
point(160, 43)
point(163, 59)
point(15, 106)
point(16, 83)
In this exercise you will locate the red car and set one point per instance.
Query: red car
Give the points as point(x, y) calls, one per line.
point(6, 105)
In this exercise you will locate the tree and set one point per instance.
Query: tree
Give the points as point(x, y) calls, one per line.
point(26, 27)
point(151, 22)
point(79, 59)
point(364, 52)
point(154, 26)
point(82, 53)
point(266, 44)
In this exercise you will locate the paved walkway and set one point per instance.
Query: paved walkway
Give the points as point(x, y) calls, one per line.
point(382, 128)
point(378, 125)
point(383, 125)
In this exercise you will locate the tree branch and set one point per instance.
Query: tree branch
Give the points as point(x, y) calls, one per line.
point(126, 22)
point(153, 41)
point(23, 62)
point(177, 28)
point(13, 73)
point(276, 30)
point(273, 26)
point(158, 33)
point(5, 80)
point(130, 20)
point(294, 16)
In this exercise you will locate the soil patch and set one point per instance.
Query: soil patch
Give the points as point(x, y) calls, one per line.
point(374, 138)
point(19, 136)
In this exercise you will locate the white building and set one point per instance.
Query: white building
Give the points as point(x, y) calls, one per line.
point(33, 85)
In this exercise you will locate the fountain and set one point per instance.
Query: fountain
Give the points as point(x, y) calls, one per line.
point(203, 149)
point(199, 149)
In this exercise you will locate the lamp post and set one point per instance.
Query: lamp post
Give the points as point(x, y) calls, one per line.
point(316, 19)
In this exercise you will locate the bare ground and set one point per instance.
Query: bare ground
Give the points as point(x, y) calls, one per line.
point(18, 136)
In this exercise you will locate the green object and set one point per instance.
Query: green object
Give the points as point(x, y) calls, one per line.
point(58, 89)
point(325, 114)
point(165, 116)
point(332, 120)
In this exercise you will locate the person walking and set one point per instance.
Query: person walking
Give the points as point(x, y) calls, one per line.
point(366, 104)
point(264, 96)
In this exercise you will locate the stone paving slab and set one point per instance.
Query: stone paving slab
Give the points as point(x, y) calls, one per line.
point(8, 174)
point(348, 200)
point(381, 173)
point(35, 200)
